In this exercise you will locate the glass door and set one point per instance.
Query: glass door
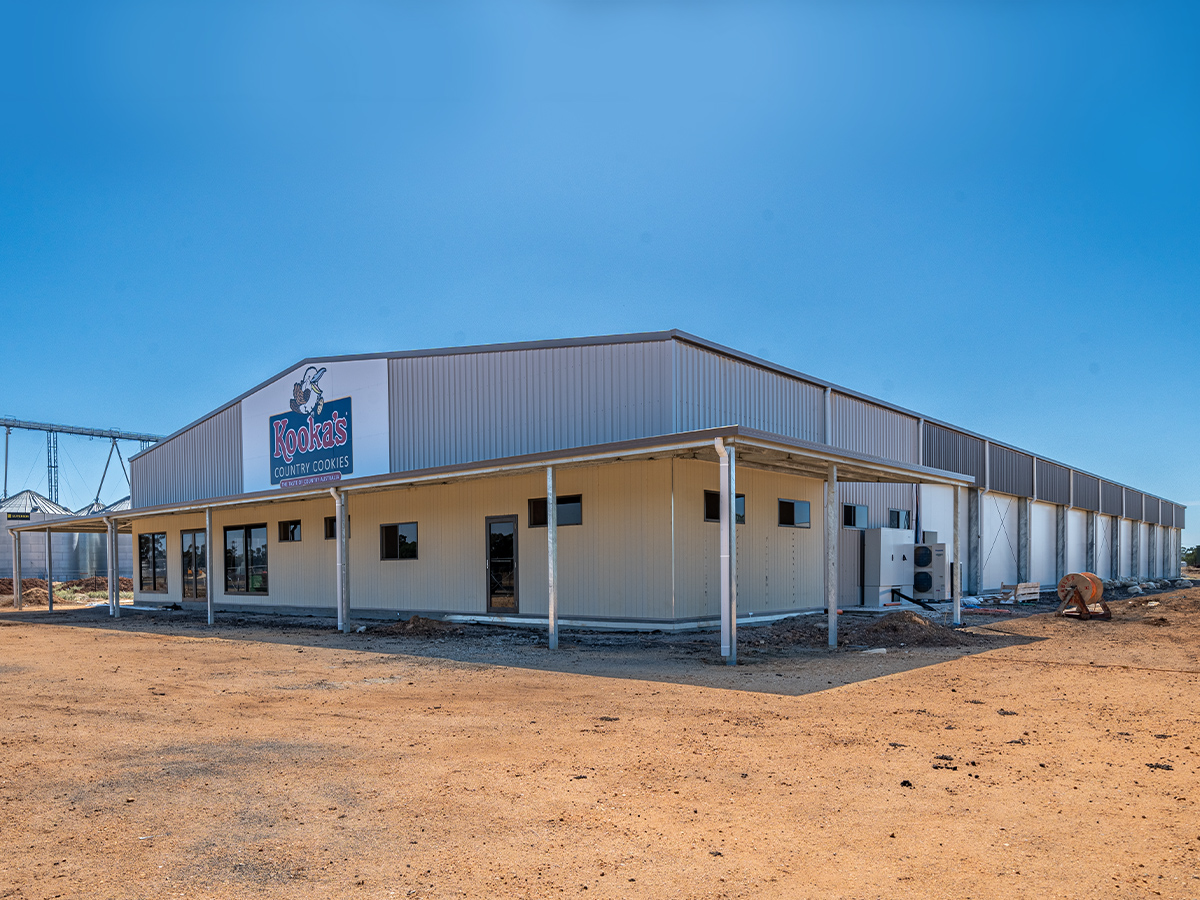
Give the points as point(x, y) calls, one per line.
point(195, 565)
point(502, 564)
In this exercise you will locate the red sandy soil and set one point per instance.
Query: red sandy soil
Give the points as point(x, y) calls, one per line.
point(155, 756)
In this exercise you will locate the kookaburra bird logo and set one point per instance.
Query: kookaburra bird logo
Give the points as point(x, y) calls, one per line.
point(306, 394)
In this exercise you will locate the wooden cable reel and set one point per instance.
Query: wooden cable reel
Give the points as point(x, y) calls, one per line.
point(1082, 596)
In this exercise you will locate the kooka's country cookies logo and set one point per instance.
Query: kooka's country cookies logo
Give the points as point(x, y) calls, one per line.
point(313, 442)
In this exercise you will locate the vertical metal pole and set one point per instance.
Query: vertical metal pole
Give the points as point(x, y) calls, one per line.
point(726, 517)
point(1090, 561)
point(552, 554)
point(343, 562)
point(116, 586)
point(1135, 550)
point(1060, 543)
point(1024, 543)
point(956, 576)
point(7, 432)
point(18, 600)
point(112, 578)
point(974, 541)
point(732, 658)
point(49, 573)
point(831, 552)
point(209, 556)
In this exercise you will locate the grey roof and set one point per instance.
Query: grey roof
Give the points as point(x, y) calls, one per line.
point(96, 508)
point(33, 502)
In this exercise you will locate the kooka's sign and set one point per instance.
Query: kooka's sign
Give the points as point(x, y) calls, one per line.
point(312, 442)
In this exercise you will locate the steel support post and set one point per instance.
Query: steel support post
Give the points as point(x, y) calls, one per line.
point(956, 572)
point(1060, 543)
point(18, 600)
point(49, 573)
point(1135, 550)
point(339, 551)
point(209, 556)
point(1091, 541)
point(732, 660)
point(343, 530)
point(832, 528)
point(1152, 551)
point(974, 541)
point(726, 520)
point(112, 577)
point(1023, 540)
point(552, 555)
point(116, 610)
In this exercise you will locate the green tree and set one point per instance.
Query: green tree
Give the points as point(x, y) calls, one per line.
point(1191, 556)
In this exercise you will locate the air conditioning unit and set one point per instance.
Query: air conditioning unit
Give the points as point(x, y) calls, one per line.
point(887, 564)
point(931, 572)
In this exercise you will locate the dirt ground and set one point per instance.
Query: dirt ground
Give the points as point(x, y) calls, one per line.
point(1036, 757)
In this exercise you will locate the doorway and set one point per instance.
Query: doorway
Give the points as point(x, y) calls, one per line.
point(502, 564)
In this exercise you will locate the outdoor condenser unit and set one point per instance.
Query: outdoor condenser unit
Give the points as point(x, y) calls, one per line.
point(930, 572)
point(887, 564)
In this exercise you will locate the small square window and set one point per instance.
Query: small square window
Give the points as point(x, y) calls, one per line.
point(854, 516)
point(570, 510)
point(398, 541)
point(331, 527)
point(794, 513)
point(712, 507)
point(289, 532)
point(898, 518)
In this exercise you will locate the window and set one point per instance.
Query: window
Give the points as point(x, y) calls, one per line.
point(570, 510)
point(712, 507)
point(289, 531)
point(854, 516)
point(195, 564)
point(246, 559)
point(331, 527)
point(398, 541)
point(794, 513)
point(898, 518)
point(152, 562)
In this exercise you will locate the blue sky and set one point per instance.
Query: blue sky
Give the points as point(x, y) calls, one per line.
point(986, 212)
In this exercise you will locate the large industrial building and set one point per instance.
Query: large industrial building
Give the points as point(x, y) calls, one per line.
point(417, 482)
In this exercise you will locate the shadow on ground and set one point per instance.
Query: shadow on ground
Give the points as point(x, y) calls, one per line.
point(789, 657)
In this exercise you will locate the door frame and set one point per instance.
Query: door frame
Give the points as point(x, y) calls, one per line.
point(487, 564)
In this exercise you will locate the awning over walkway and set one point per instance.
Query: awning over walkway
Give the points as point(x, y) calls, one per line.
point(756, 450)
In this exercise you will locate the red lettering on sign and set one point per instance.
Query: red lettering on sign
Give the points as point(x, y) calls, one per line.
point(281, 444)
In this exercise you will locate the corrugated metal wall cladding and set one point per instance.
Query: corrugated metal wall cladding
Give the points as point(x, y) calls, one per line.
point(1053, 483)
point(713, 390)
point(1110, 499)
point(1087, 492)
point(1180, 516)
point(1011, 472)
point(1133, 504)
point(1150, 510)
point(475, 406)
point(867, 428)
point(953, 451)
point(204, 461)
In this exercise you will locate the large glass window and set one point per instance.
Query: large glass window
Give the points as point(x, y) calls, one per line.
point(398, 541)
point(246, 559)
point(570, 510)
point(712, 507)
point(152, 562)
point(195, 564)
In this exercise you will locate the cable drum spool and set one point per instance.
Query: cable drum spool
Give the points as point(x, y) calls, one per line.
point(1081, 590)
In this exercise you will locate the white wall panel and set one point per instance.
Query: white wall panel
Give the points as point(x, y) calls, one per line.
point(1042, 542)
point(999, 530)
point(1076, 540)
point(1104, 546)
point(937, 514)
point(1126, 548)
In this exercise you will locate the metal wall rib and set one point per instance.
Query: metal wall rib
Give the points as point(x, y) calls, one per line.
point(713, 390)
point(475, 406)
point(204, 461)
point(1053, 483)
point(1010, 472)
point(866, 428)
point(953, 451)
point(1110, 499)
point(1087, 492)
point(1133, 504)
